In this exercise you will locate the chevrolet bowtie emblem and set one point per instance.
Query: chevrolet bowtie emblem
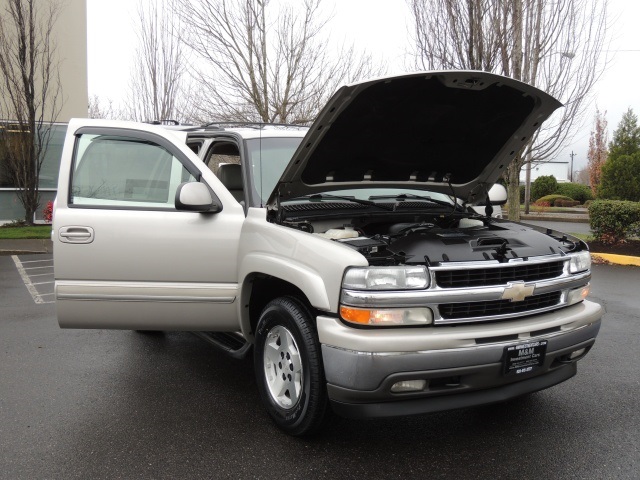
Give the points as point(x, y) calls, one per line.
point(517, 292)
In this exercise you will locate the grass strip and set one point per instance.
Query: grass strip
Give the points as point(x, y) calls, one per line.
point(19, 233)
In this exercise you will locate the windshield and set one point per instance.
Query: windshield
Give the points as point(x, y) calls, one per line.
point(268, 158)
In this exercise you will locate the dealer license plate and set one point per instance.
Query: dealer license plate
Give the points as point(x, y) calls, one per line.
point(524, 357)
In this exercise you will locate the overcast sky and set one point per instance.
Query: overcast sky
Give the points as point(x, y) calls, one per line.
point(382, 27)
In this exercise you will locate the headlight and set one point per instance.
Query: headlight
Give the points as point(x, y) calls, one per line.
point(580, 262)
point(387, 317)
point(386, 278)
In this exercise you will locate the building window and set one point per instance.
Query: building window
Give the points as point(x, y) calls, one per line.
point(9, 140)
point(51, 163)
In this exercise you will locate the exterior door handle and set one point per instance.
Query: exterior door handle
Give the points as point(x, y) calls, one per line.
point(76, 234)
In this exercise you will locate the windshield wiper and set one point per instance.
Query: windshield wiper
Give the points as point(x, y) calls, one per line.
point(324, 196)
point(405, 196)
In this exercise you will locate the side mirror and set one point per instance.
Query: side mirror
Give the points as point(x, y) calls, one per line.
point(196, 197)
point(497, 195)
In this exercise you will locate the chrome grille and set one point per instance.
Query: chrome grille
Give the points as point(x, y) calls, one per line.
point(498, 307)
point(480, 277)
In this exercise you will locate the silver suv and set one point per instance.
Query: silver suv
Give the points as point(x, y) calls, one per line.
point(347, 258)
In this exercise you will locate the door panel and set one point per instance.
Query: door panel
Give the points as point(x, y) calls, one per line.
point(143, 305)
point(124, 257)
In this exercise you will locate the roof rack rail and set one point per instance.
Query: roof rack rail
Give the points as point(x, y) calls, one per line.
point(256, 125)
point(167, 121)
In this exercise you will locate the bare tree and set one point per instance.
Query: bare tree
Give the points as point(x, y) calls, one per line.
point(598, 151)
point(30, 92)
point(101, 108)
point(581, 176)
point(158, 82)
point(266, 65)
point(553, 45)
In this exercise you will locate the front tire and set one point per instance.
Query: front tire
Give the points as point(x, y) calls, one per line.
point(288, 367)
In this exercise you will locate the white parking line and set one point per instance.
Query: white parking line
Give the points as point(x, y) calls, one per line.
point(37, 298)
point(37, 268)
point(42, 283)
point(37, 261)
point(40, 274)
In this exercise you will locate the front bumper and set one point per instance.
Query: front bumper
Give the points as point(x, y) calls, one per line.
point(462, 365)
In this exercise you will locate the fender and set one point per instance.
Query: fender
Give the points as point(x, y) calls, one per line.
point(292, 271)
point(314, 264)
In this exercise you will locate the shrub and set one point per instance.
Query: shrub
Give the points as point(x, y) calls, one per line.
point(565, 203)
point(543, 186)
point(612, 221)
point(577, 191)
point(47, 213)
point(541, 206)
point(551, 199)
point(522, 192)
point(588, 203)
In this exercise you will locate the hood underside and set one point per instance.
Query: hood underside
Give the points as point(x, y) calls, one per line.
point(432, 131)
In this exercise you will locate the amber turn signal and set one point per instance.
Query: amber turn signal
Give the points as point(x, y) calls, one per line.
point(386, 317)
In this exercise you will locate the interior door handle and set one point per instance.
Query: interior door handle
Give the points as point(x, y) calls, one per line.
point(76, 234)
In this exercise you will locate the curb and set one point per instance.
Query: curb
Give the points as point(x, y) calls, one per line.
point(21, 252)
point(25, 246)
point(614, 259)
point(549, 218)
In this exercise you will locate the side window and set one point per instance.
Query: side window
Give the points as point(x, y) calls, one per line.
point(222, 153)
point(113, 171)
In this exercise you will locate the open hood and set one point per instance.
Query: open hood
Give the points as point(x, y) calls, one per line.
point(431, 130)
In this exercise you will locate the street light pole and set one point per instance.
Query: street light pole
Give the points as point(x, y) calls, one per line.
point(571, 171)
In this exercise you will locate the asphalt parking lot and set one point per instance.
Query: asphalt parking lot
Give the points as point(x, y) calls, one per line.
point(120, 404)
point(36, 271)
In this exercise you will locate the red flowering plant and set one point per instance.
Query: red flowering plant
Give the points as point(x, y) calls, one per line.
point(47, 213)
point(542, 205)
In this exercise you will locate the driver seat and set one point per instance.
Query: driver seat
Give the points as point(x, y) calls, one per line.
point(230, 174)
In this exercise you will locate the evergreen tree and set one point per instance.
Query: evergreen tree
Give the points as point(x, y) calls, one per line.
point(621, 178)
point(626, 138)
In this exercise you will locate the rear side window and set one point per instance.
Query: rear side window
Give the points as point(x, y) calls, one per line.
point(112, 171)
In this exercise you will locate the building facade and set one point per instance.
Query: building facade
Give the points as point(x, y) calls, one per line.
point(70, 37)
point(560, 170)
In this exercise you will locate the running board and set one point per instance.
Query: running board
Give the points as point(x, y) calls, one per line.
point(233, 344)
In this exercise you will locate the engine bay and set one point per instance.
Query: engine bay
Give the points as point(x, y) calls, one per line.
point(392, 239)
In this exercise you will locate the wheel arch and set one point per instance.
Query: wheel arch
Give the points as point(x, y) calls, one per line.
point(258, 289)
